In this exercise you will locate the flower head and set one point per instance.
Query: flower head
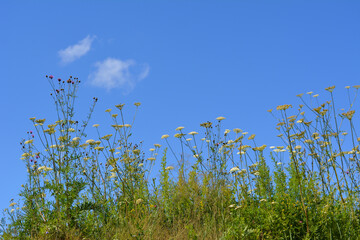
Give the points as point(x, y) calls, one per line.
point(192, 133)
point(220, 118)
point(234, 169)
point(164, 136)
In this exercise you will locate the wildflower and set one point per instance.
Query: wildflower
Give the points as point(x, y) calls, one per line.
point(347, 87)
point(107, 137)
point(137, 104)
point(84, 145)
point(127, 125)
point(283, 107)
point(157, 145)
point(226, 131)
point(120, 106)
point(113, 175)
point(316, 95)
point(206, 124)
point(44, 168)
point(90, 141)
point(237, 130)
point(12, 204)
point(220, 118)
point(263, 200)
point(270, 110)
point(192, 133)
point(279, 163)
point(12, 210)
point(96, 125)
point(114, 115)
point(356, 86)
point(298, 147)
point(330, 89)
point(32, 119)
point(99, 148)
point(29, 141)
point(261, 148)
point(51, 76)
point(169, 168)
point(139, 201)
point(309, 93)
point(179, 128)
point(232, 205)
point(164, 136)
point(140, 165)
point(188, 139)
point(108, 110)
point(152, 149)
point(151, 158)
point(251, 137)
point(179, 135)
point(234, 169)
point(272, 147)
point(40, 121)
point(75, 139)
point(136, 151)
point(300, 95)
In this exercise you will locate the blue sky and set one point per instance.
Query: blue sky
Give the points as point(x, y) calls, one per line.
point(187, 62)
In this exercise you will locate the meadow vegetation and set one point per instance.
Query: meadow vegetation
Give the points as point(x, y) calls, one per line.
point(232, 188)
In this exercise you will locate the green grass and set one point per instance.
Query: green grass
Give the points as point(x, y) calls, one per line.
point(79, 188)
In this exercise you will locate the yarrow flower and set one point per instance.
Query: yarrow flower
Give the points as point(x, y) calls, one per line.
point(220, 118)
point(164, 136)
point(169, 168)
point(179, 128)
point(234, 169)
point(29, 141)
point(192, 133)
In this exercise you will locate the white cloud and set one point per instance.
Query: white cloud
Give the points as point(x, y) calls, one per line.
point(76, 51)
point(114, 73)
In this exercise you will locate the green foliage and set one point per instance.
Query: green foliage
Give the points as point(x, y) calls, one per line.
point(99, 189)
